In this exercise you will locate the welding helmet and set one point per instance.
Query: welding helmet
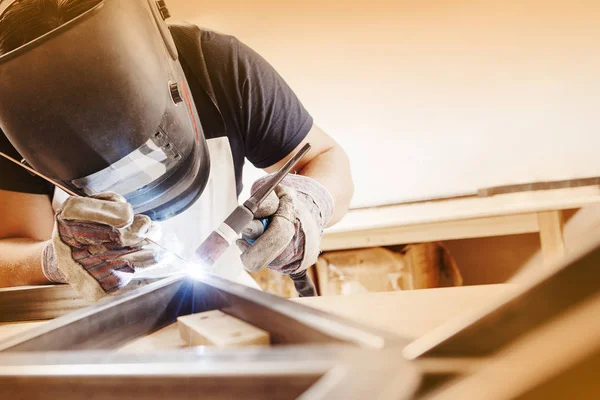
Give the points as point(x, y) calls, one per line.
point(101, 104)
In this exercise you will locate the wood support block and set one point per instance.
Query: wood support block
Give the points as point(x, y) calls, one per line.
point(551, 235)
point(215, 328)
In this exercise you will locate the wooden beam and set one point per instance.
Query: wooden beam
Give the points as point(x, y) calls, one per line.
point(36, 303)
point(467, 208)
point(535, 365)
point(552, 235)
point(430, 232)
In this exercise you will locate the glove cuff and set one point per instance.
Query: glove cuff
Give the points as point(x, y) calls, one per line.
point(50, 265)
point(313, 217)
point(315, 191)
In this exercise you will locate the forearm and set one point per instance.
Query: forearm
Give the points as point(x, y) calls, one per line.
point(20, 262)
point(332, 169)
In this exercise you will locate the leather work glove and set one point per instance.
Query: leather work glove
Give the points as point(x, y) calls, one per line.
point(98, 244)
point(300, 208)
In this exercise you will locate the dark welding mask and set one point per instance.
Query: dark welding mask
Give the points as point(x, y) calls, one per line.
point(102, 104)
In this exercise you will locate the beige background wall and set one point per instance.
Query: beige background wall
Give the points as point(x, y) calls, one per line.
point(434, 97)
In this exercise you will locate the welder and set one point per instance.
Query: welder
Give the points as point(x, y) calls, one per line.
point(151, 124)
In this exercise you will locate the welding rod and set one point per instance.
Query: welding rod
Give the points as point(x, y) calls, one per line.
point(38, 174)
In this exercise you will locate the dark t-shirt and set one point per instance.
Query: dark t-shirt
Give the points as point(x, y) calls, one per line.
point(264, 119)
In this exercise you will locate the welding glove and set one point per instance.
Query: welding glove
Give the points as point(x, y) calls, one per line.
point(299, 209)
point(98, 244)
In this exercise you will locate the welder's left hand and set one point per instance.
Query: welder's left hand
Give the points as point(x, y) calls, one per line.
point(299, 210)
point(98, 244)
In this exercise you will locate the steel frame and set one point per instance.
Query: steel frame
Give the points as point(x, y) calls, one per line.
point(313, 354)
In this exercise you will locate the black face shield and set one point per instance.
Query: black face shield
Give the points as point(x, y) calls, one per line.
point(101, 104)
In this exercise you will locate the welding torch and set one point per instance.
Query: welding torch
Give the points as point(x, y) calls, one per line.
point(243, 216)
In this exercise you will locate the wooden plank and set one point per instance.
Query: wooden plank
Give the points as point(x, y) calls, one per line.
point(430, 232)
point(525, 187)
point(215, 328)
point(32, 303)
point(467, 208)
point(552, 235)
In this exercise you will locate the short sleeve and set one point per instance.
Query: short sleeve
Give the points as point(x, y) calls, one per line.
point(16, 179)
point(275, 121)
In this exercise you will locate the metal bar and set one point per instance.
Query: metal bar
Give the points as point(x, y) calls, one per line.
point(34, 303)
point(160, 387)
point(264, 373)
point(111, 322)
point(115, 321)
point(39, 174)
point(391, 379)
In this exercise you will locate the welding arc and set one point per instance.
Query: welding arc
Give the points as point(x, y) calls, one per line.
point(72, 193)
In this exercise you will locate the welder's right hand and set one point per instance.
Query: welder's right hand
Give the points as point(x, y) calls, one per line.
point(98, 244)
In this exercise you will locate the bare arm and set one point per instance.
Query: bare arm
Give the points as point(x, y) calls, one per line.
point(26, 222)
point(328, 164)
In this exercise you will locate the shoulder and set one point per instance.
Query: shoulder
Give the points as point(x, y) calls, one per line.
point(224, 54)
point(212, 44)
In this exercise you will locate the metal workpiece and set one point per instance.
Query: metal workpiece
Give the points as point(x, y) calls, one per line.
point(313, 353)
point(110, 322)
point(311, 372)
point(115, 321)
point(35, 303)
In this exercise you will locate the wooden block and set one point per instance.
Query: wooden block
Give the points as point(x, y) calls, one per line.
point(551, 235)
point(215, 328)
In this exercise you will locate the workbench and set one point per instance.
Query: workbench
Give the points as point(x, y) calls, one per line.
point(539, 211)
point(410, 313)
point(496, 341)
